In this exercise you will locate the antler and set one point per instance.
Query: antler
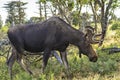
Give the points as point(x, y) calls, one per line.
point(91, 36)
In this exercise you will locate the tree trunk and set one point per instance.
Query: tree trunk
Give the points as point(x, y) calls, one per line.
point(40, 10)
point(94, 15)
point(104, 17)
point(45, 8)
point(79, 14)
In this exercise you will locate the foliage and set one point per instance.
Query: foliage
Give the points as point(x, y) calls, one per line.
point(15, 11)
point(117, 34)
point(35, 20)
point(115, 26)
point(76, 19)
point(82, 69)
point(4, 28)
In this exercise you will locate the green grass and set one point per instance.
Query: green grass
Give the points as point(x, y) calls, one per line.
point(106, 68)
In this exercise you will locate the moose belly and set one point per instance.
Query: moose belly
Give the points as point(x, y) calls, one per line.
point(34, 47)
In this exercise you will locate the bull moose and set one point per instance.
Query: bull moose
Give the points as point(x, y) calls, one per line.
point(51, 34)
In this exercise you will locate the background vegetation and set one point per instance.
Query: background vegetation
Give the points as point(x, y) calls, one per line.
point(102, 18)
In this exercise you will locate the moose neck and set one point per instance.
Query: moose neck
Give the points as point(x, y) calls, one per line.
point(75, 36)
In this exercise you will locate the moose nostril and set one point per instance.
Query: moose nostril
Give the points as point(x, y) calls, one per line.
point(93, 59)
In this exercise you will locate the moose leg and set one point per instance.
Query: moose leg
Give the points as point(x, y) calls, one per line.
point(65, 62)
point(46, 56)
point(64, 59)
point(57, 57)
point(10, 62)
point(22, 64)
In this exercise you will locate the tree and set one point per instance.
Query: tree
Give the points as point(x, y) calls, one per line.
point(106, 9)
point(21, 14)
point(15, 11)
point(11, 12)
point(82, 17)
point(45, 8)
point(64, 8)
point(115, 4)
point(105, 6)
point(95, 9)
point(40, 8)
point(34, 20)
point(1, 22)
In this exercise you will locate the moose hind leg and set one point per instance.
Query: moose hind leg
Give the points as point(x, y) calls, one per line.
point(23, 64)
point(10, 62)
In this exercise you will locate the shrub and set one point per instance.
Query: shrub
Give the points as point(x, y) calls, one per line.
point(115, 26)
point(117, 34)
point(4, 29)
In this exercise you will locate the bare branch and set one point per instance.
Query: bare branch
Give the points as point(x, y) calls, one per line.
point(108, 7)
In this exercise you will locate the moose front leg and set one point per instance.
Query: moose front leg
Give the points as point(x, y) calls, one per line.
point(64, 59)
point(65, 62)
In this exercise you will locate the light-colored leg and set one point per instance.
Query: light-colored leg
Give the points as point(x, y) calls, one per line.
point(57, 56)
point(10, 62)
point(64, 59)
